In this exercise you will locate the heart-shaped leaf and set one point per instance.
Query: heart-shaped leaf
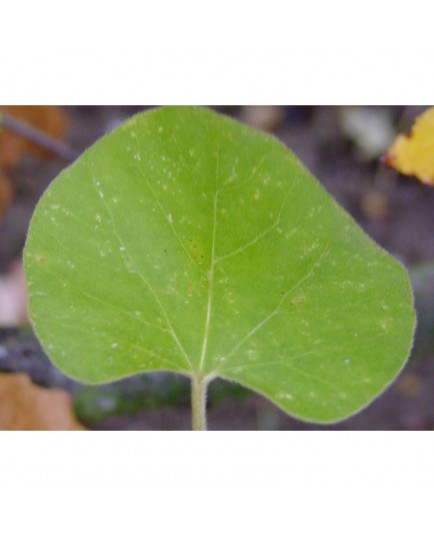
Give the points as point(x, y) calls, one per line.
point(186, 241)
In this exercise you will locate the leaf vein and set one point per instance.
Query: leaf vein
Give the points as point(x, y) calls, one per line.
point(276, 310)
point(145, 281)
point(210, 274)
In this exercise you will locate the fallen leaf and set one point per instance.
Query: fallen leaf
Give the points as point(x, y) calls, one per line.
point(413, 154)
point(26, 406)
point(5, 192)
point(49, 119)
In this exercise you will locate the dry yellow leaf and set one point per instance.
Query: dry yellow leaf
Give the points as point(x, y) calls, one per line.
point(26, 406)
point(413, 154)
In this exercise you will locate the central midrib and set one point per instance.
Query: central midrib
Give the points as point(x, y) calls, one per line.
point(210, 287)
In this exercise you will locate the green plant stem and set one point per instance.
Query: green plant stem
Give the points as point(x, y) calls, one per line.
point(199, 386)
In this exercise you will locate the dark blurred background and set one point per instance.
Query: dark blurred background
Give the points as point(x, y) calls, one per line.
point(342, 147)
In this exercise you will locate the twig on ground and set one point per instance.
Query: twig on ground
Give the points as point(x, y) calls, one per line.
point(40, 138)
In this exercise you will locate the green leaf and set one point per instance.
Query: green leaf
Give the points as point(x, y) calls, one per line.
point(186, 241)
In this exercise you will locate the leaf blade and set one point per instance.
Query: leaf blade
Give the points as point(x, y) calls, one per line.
point(233, 258)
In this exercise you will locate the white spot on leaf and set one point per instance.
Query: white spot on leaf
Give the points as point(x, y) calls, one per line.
point(286, 396)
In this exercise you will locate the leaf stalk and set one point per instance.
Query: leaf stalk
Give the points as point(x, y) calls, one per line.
point(199, 386)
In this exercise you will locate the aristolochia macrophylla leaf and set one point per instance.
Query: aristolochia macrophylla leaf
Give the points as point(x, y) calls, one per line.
point(186, 241)
point(414, 154)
